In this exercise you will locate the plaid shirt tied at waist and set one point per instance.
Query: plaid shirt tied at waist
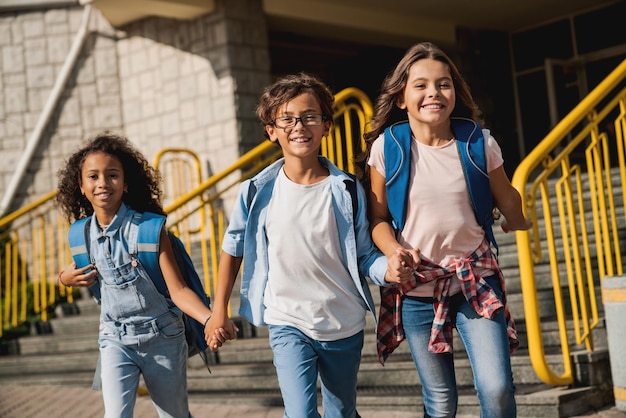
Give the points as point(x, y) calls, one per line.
point(477, 292)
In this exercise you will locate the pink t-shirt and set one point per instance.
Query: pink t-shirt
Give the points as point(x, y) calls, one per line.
point(440, 221)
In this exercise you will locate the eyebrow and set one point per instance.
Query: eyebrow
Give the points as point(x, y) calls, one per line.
point(304, 112)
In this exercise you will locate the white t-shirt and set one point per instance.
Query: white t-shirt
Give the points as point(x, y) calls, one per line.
point(440, 221)
point(308, 285)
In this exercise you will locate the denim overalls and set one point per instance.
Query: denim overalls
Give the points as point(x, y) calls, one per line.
point(141, 332)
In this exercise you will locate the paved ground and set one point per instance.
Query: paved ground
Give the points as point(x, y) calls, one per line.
point(72, 402)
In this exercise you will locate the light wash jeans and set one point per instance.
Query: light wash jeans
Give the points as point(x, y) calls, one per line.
point(158, 351)
point(299, 359)
point(140, 335)
point(487, 346)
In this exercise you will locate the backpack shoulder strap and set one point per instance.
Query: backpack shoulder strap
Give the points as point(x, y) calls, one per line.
point(148, 234)
point(351, 187)
point(471, 146)
point(78, 239)
point(397, 154)
point(251, 193)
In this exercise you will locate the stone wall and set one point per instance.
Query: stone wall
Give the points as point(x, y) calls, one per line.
point(195, 84)
point(161, 82)
point(34, 46)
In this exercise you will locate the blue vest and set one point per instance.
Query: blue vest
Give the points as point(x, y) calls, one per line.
point(471, 146)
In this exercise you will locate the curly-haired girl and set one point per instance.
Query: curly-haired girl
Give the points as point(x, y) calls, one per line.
point(141, 330)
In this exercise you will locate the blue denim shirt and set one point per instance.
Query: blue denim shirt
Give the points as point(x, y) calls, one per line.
point(246, 237)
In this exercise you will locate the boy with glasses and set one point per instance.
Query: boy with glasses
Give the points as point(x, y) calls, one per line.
point(305, 255)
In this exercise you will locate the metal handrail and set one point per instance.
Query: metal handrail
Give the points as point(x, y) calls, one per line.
point(34, 238)
point(578, 167)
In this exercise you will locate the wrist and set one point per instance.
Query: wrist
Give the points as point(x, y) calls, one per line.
point(206, 321)
point(59, 280)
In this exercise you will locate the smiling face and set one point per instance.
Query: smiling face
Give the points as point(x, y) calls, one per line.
point(102, 182)
point(429, 95)
point(301, 140)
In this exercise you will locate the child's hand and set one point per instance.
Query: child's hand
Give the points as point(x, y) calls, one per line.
point(231, 330)
point(218, 338)
point(218, 330)
point(508, 228)
point(73, 277)
point(401, 265)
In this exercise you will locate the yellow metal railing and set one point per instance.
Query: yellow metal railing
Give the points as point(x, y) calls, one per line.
point(33, 239)
point(572, 188)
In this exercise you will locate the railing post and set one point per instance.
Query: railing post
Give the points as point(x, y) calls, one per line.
point(614, 293)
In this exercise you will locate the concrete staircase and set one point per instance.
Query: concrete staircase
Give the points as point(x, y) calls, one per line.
point(242, 372)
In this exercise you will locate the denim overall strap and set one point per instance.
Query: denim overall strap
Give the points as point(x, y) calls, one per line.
point(133, 232)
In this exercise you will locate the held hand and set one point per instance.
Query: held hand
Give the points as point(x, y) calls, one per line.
point(218, 338)
point(415, 255)
point(82, 277)
point(231, 330)
point(401, 265)
point(218, 330)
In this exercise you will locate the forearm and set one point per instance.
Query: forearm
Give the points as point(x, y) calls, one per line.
point(384, 237)
point(187, 300)
point(508, 200)
point(511, 209)
point(227, 274)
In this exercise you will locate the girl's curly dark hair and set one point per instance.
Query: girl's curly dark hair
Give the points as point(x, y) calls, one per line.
point(142, 180)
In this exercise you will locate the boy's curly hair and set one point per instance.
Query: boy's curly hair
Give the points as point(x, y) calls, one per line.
point(289, 87)
point(142, 180)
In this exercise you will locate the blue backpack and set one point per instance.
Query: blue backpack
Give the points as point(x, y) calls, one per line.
point(149, 229)
point(471, 146)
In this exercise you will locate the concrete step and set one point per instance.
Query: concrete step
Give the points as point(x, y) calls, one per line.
point(53, 363)
point(532, 400)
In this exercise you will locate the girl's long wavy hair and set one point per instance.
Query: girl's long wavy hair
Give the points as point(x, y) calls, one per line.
point(142, 180)
point(392, 90)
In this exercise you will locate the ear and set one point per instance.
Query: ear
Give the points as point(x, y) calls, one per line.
point(327, 125)
point(271, 133)
point(400, 103)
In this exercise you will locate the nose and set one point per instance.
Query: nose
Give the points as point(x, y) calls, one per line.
point(101, 182)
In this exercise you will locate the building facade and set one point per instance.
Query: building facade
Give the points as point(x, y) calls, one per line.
point(188, 73)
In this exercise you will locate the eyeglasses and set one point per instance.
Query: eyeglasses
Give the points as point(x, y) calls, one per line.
point(290, 122)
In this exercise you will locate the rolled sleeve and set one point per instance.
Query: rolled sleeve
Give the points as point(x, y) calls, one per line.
point(233, 241)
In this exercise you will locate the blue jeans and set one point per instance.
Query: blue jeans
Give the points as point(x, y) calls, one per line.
point(299, 359)
point(487, 346)
point(158, 351)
